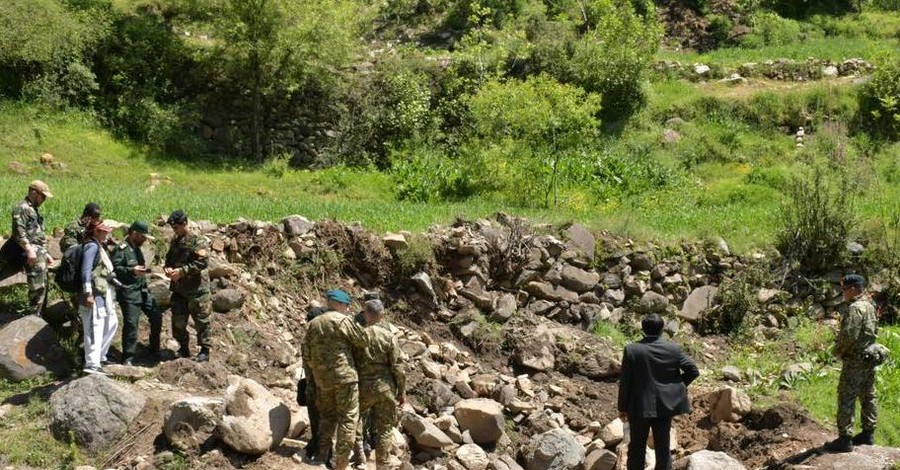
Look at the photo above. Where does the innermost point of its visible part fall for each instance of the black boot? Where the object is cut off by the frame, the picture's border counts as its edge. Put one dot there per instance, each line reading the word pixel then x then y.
pixel 204 355
pixel 841 444
pixel 864 438
pixel 184 352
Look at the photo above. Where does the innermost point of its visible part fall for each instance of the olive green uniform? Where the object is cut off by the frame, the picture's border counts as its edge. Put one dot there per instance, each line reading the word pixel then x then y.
pixel 382 382
pixel 857 381
pixel 134 297
pixel 73 234
pixel 190 294
pixel 328 350
pixel 28 229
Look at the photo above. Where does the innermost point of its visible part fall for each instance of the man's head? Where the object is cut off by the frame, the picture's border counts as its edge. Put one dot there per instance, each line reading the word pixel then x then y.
pixel 38 192
pixel 179 222
pixel 652 325
pixel 139 232
pixel 374 311
pixel 91 212
pixel 338 300
pixel 852 285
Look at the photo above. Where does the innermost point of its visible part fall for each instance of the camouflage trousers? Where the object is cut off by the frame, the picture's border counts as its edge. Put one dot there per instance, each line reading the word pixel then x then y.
pixel 338 417
pixel 198 309
pixel 36 275
pixel 857 381
pixel 381 403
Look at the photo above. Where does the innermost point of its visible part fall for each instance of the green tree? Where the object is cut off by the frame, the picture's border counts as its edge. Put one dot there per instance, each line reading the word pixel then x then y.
pixel 880 100
pixel 279 48
pixel 530 127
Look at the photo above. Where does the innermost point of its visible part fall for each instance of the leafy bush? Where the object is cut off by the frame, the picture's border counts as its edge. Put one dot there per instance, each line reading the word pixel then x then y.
pixel 425 174
pixel 529 127
pixel 719 29
pixel 736 304
pixel 816 222
pixel 879 100
pixel 769 29
pixel 635 172
pixel 418 256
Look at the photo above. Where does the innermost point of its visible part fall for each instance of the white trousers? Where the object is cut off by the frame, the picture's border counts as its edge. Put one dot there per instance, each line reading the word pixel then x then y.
pixel 100 327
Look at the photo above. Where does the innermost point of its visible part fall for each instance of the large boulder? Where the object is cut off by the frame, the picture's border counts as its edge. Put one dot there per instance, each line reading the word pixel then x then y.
pixel 536 349
pixel 255 421
pixel 424 432
pixel 728 404
pixel 191 422
pixel 581 239
pixel 556 449
pixel 482 418
pixel 28 348
pixel 226 300
pixel 578 279
pixel 95 410
pixel 698 301
pixel 710 460
pixel 652 302
pixel 159 289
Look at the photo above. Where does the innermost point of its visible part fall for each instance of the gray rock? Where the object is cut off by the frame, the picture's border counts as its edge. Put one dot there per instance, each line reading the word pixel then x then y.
pixel 472 457
pixel 610 280
pixel 255 421
pixel 641 262
pixel 862 457
pixel 697 302
pixel 29 348
pixel 505 309
pixel 701 69
pixel 830 71
pixel 546 291
pixel 423 432
pixel 600 459
pixel 765 296
pixel 732 373
pixel 296 225
pixel 614 296
pixel 578 280
pixel 728 404
pixel 613 433
pixel 423 284
pixel 855 248
pixel 710 460
pixel 192 421
pixel 482 418
pixel 220 269
pixel 651 302
pixel 95 410
pixel 226 300
pixel 439 395
pixel 539 307
pixel 556 449
pixel 581 239
pixel 538 351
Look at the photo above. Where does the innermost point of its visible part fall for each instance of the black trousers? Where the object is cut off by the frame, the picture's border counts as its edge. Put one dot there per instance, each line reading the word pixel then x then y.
pixel 637 448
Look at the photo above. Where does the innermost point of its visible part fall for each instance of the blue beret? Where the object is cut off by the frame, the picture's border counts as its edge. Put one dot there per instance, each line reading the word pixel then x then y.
pixel 338 295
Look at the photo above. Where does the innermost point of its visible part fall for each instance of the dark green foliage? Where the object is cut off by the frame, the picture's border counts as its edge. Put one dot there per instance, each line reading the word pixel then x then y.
pixel 879 100
pixel 816 222
pixel 736 304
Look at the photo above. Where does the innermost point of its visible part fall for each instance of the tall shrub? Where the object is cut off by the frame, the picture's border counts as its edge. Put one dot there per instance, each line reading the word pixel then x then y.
pixel 879 101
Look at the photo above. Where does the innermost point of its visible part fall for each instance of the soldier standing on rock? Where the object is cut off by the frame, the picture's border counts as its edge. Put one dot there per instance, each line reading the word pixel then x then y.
pixel 74 233
pixel 328 349
pixel 185 266
pixel 382 380
pixel 857 381
pixel 27 247
pixel 133 295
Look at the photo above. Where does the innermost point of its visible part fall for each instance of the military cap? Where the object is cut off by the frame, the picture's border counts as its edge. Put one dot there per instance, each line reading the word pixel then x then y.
pixel 374 306
pixel 338 295
pixel 177 217
pixel 41 187
pixel 142 228
pixel 91 209
pixel 854 280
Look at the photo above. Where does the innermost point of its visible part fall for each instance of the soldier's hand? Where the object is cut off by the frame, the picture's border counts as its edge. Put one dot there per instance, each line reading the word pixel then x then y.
pixel 139 271
pixel 30 256
pixel 175 274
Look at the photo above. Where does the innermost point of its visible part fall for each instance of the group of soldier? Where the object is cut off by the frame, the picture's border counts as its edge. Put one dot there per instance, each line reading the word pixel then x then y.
pixel 355 380
pixel 122 280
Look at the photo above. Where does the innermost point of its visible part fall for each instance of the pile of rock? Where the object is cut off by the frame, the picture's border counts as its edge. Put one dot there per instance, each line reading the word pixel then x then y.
pixel 777 69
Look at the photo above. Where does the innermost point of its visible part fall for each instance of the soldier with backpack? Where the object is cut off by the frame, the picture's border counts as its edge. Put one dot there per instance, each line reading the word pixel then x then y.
pixel 74 233
pixel 98 298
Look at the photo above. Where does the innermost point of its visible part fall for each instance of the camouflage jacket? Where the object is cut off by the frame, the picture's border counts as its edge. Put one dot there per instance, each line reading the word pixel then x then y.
pixel 328 348
pixel 858 330
pixel 73 235
pixel 125 257
pixel 190 253
pixel 380 363
pixel 28 225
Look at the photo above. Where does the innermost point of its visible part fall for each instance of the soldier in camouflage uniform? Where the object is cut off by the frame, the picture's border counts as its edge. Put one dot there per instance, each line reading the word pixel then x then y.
pixel 857 381
pixel 74 233
pixel 382 380
pixel 310 394
pixel 328 349
pixel 185 266
pixel 133 295
pixel 27 246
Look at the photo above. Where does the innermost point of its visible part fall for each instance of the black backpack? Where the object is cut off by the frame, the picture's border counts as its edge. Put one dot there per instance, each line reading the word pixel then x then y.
pixel 68 275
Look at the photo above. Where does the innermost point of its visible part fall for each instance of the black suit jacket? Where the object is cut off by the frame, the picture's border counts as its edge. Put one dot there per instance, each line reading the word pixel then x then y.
pixel 655 376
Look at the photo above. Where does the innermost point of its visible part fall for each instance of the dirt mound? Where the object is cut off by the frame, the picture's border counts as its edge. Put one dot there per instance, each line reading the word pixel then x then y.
pixel 191 375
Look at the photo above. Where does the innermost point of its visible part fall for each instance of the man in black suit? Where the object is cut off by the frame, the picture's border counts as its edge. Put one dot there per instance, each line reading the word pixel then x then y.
pixel 653 389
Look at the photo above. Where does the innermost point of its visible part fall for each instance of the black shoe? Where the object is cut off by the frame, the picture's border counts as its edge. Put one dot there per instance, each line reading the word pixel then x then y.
pixel 841 444
pixel 184 352
pixel 866 438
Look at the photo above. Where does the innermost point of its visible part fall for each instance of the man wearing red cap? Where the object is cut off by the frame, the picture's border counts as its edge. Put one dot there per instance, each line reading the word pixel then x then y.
pixel 98 299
